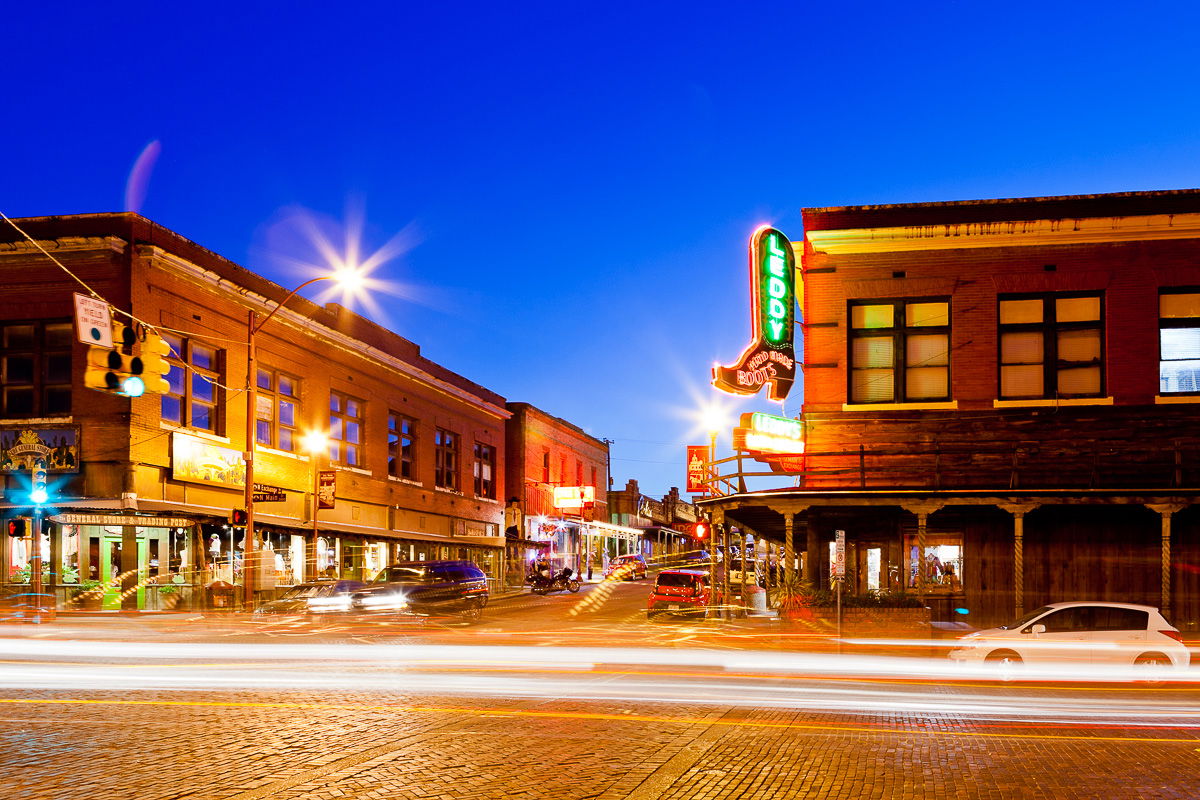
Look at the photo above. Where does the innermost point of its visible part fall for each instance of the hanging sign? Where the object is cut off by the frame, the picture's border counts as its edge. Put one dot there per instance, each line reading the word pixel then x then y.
pixel 54 449
pixel 770 358
pixel 837 567
pixel 326 488
pixel 698 458
pixel 93 321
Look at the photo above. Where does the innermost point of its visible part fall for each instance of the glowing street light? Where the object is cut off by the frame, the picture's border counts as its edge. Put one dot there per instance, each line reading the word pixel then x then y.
pixel 346 276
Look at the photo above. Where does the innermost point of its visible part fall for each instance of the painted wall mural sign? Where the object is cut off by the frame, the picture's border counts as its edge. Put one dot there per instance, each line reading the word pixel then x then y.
pixel 56 449
pixel 197 461
pixel 770 358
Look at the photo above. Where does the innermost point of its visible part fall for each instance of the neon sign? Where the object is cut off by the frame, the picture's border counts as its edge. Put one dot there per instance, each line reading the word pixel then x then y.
pixel 770 358
pixel 777 441
pixel 574 497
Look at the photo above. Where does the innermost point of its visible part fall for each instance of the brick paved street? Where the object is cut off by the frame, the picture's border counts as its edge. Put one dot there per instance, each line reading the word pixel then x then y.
pixel 338 710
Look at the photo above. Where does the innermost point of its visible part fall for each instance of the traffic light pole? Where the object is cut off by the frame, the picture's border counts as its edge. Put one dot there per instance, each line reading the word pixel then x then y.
pixel 248 558
pixel 35 563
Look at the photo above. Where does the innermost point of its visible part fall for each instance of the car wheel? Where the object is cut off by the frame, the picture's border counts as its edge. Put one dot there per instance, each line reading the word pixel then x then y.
pixel 1008 662
pixel 1152 666
pixel 473 612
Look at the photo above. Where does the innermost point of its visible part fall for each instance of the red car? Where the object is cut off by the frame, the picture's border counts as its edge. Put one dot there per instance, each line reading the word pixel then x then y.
pixel 682 592
pixel 626 568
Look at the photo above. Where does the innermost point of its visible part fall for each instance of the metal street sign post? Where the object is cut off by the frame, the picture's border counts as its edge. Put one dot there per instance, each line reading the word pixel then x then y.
pixel 838 573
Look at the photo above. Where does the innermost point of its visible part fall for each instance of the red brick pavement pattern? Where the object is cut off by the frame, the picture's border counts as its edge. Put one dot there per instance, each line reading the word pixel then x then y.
pixel 388 749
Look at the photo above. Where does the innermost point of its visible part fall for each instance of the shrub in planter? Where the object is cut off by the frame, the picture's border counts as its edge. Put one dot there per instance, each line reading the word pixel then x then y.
pixel 168 595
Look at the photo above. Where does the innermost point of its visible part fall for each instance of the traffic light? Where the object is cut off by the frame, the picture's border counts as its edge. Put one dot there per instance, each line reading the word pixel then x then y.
pixel 114 369
pixel 154 352
pixel 237 517
pixel 701 530
pixel 17 528
pixel 37 492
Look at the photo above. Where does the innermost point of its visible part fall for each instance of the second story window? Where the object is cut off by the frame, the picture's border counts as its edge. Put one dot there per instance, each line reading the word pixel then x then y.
pixel 1179 342
pixel 899 351
pixel 345 429
pixel 35 369
pixel 545 466
pixel 1051 346
pixel 445 448
pixel 402 446
pixel 276 416
pixel 485 471
pixel 193 399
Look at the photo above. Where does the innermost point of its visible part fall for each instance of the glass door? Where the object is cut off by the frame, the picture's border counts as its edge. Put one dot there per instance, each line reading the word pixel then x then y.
pixel 110 571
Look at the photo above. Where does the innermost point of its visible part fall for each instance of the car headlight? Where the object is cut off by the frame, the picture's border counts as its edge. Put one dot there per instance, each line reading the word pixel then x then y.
pixel 384 602
pixel 340 603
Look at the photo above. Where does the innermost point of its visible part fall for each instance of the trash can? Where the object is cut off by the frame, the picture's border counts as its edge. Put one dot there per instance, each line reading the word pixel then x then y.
pixel 757 597
pixel 220 594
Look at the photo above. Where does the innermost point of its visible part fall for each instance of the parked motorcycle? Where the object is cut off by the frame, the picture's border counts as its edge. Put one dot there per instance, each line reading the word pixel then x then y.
pixel 562 580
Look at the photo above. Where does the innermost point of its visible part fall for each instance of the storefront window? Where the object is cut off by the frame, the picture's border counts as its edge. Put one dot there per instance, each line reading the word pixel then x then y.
pixel 942 562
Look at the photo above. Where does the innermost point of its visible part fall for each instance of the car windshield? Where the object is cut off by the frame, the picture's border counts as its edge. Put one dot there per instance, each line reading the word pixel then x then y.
pixel 401 575
pixel 302 592
pixel 1025 620
pixel 675 579
pixel 627 559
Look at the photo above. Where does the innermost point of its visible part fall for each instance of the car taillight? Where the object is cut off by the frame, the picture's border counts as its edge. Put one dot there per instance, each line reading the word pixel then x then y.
pixel 1173 634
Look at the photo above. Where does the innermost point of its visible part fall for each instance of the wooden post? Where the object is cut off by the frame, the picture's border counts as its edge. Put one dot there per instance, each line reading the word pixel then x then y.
pixel 1165 512
pixel 1018 510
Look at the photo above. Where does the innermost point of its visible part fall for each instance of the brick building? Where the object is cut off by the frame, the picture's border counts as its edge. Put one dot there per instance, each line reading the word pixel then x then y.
pixel 1001 403
pixel 142 488
pixel 545 453
pixel 666 523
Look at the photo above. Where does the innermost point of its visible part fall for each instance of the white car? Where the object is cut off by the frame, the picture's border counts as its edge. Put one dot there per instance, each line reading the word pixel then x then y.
pixel 1117 634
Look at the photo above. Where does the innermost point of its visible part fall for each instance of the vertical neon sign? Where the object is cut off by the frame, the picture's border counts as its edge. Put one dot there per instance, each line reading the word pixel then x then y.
pixel 770 358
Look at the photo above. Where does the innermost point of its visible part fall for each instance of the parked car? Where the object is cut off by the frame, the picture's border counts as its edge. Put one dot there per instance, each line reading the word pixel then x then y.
pixel 752 576
pixel 427 588
pixel 627 567
pixel 314 597
pixel 682 592
pixel 1080 632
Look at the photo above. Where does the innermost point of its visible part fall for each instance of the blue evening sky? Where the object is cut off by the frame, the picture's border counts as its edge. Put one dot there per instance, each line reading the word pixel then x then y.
pixel 567 188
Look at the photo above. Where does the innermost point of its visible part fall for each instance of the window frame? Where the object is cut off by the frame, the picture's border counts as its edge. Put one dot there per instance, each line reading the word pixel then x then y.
pixel 948 582
pixel 40 356
pixel 1050 328
pixel 278 399
pixel 340 420
pixel 1169 323
pixel 484 487
pixel 446 458
pixel 402 455
pixel 899 332
pixel 183 357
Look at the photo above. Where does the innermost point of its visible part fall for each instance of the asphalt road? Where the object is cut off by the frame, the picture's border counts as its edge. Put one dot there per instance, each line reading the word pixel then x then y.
pixel 557 697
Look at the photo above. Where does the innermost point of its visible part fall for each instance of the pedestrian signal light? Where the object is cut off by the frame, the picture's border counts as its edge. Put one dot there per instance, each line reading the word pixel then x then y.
pixel 701 530
pixel 16 528
pixel 237 516
pixel 38 493
pixel 154 352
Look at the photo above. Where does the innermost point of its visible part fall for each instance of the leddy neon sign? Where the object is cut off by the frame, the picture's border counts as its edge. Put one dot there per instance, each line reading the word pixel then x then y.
pixel 770 358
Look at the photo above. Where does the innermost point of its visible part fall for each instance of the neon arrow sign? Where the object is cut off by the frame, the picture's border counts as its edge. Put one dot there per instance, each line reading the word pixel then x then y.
pixel 770 358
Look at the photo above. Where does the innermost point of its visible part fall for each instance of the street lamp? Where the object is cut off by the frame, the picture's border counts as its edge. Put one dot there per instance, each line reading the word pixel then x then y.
pixel 315 443
pixel 350 279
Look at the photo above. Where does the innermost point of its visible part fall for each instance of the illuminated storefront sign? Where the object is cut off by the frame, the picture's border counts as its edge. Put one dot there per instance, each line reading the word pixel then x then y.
pixel 574 497
pixel 778 441
pixel 770 358
pixel 197 461
pixel 55 449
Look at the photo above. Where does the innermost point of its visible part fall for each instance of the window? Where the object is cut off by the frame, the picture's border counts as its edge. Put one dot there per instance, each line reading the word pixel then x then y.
pixel 278 396
pixel 485 471
pixel 578 472
pixel 345 429
pixel 1179 342
pixel 1051 346
pixel 35 370
pixel 943 562
pixel 445 448
pixel 192 399
pixel 899 351
pixel 401 446
pixel 545 466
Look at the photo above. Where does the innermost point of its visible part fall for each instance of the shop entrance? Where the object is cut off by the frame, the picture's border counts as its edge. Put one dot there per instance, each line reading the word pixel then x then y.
pixel 111 574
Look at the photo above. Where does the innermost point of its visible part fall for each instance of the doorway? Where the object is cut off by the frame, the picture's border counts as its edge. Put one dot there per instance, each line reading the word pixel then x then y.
pixel 110 571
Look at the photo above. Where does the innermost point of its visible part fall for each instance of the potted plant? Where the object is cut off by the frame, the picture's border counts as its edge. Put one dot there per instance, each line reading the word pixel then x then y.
pixel 168 596
pixel 792 597
pixel 89 596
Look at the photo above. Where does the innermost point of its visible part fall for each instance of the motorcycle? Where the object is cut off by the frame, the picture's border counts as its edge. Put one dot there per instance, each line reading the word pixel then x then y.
pixel 560 581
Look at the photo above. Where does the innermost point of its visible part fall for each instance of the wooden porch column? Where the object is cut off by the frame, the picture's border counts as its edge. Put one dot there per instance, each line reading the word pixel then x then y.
pixel 789 541
pixel 1165 511
pixel 812 557
pixel 1018 510
pixel 922 512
